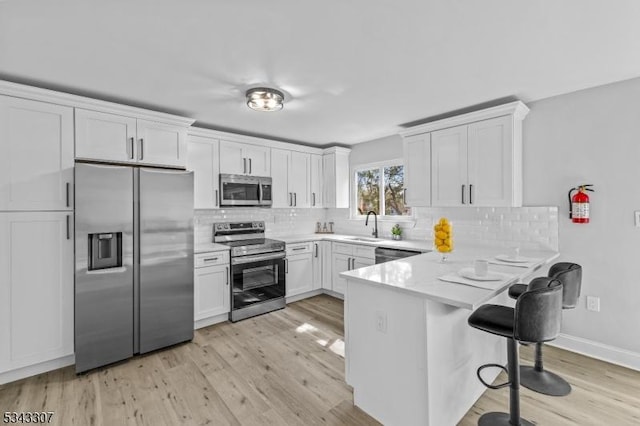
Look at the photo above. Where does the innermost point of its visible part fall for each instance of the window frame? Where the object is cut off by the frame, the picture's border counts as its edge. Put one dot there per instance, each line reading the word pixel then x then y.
pixel 354 182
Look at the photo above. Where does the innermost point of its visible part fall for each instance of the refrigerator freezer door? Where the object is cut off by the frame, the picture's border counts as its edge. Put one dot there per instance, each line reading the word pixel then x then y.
pixel 103 297
pixel 166 258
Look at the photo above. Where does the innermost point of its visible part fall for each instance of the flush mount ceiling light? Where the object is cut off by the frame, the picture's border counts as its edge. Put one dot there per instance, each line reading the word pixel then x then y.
pixel 265 99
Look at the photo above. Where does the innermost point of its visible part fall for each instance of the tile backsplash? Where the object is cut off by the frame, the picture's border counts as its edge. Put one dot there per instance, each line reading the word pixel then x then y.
pixel 530 227
pixel 278 222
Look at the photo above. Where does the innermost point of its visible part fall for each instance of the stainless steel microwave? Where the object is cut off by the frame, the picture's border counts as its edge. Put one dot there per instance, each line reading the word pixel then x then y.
pixel 240 190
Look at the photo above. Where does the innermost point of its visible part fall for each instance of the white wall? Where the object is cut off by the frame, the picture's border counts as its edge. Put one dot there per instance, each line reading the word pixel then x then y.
pixel 593 136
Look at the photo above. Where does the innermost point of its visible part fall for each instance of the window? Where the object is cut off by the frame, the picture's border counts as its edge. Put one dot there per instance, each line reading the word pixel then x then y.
pixel 386 179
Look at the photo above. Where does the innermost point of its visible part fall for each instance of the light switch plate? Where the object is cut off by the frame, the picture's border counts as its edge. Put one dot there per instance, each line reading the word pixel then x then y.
pixel 593 303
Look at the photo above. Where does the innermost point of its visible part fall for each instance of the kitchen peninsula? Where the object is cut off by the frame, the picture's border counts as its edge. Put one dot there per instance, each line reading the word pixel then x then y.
pixel 410 356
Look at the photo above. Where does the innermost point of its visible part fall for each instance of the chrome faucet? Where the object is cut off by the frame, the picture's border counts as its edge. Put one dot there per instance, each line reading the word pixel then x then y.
pixel 375 227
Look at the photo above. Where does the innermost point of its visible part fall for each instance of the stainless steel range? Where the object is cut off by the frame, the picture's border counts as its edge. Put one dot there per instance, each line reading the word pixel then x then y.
pixel 257 268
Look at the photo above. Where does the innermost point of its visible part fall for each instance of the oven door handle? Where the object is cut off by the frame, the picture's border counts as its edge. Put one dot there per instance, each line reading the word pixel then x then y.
pixel 257 258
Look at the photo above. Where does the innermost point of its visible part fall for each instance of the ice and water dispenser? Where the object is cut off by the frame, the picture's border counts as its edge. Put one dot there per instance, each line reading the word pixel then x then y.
pixel 105 250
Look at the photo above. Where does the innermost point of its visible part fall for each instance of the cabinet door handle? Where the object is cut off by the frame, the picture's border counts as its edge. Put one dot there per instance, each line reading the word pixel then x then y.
pixel 463 193
pixel 404 196
pixel 470 191
pixel 298 248
pixel 68 227
pixel 349 261
pixel 295 199
pixel 210 259
pixel 313 197
pixel 315 247
pixel 249 165
pixel 244 165
pixel 286 266
pixel 67 187
pixel 290 199
pixel 217 198
pixel 132 140
pixel 227 268
pixel 141 156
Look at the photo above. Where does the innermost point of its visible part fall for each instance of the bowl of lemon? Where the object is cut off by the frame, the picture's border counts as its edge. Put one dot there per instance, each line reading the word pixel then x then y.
pixel 443 237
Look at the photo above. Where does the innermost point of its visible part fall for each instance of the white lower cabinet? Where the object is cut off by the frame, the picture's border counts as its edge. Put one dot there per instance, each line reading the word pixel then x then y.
pixel 212 295
pixel 36 288
pixel 346 257
pixel 299 269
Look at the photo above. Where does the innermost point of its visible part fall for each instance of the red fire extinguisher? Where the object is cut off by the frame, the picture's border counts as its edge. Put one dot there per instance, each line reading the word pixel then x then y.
pixel 579 204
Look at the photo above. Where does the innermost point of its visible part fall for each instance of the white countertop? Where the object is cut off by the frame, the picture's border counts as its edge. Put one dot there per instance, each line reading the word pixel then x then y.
pixel 209 247
pixel 418 275
pixel 417 245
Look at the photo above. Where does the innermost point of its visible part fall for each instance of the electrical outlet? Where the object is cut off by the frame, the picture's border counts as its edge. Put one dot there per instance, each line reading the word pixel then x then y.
pixel 593 303
pixel 381 321
pixel 637 215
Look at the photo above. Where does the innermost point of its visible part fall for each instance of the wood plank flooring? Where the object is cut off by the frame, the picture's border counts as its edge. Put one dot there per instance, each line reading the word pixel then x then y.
pixel 287 368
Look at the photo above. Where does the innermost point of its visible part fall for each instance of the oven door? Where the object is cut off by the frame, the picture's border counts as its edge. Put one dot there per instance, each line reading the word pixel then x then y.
pixel 238 190
pixel 256 279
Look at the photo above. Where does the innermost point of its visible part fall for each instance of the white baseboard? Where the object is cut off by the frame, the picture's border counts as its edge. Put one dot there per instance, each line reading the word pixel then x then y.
pixel 32 370
pixel 206 322
pixel 599 351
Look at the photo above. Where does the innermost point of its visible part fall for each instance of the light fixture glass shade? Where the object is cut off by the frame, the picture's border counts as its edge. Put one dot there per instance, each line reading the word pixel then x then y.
pixel 265 99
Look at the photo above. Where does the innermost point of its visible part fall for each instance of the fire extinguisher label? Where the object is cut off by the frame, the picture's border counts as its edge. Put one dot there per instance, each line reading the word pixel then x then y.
pixel 580 210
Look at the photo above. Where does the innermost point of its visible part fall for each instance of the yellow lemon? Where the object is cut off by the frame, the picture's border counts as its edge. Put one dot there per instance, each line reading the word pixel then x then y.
pixel 437 228
pixel 438 242
pixel 444 220
pixel 448 242
pixel 446 227
pixel 441 235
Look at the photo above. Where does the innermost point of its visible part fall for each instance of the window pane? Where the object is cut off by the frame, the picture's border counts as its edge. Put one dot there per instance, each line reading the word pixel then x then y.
pixel 368 182
pixel 393 191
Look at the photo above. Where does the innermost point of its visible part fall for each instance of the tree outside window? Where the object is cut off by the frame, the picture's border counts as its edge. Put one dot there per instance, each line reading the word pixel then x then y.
pixel 387 180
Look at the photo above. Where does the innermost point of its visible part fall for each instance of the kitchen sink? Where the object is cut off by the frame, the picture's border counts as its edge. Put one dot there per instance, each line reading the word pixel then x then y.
pixel 366 240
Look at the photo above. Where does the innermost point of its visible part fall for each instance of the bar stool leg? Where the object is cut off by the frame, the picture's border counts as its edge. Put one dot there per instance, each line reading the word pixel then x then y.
pixel 513 417
pixel 539 380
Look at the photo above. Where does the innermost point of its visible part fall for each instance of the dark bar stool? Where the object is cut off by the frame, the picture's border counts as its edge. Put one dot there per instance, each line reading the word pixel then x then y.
pixel 536 318
pixel 537 378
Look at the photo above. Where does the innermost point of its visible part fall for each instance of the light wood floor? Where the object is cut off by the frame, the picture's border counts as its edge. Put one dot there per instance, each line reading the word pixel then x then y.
pixel 287 368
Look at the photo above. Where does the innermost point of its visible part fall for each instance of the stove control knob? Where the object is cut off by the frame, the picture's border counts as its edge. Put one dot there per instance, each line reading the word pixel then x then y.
pixel 261 225
pixel 254 225
pixel 226 226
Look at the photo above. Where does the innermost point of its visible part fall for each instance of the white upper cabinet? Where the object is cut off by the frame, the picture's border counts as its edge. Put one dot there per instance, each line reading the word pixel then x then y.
pixel 245 159
pixel 449 167
pixel 417 170
pixel 290 174
pixel 161 144
pixel 476 158
pixel 336 177
pixel 203 160
pixel 36 155
pixel 315 191
pixel 493 168
pixel 105 136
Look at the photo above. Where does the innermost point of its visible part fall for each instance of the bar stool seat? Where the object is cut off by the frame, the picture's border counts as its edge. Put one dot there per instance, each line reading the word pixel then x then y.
pixel 537 378
pixel 536 318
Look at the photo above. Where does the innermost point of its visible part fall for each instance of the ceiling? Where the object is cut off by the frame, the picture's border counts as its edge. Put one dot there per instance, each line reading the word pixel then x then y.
pixel 351 71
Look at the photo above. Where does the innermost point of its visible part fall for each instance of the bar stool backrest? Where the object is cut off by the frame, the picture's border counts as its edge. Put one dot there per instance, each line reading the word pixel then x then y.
pixel 570 275
pixel 538 312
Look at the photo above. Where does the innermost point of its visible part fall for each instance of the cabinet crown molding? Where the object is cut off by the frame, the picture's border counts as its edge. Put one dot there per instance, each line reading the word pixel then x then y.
pixel 60 98
pixel 517 109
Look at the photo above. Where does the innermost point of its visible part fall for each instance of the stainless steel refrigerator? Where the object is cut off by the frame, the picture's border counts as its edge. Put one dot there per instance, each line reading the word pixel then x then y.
pixel 134 261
